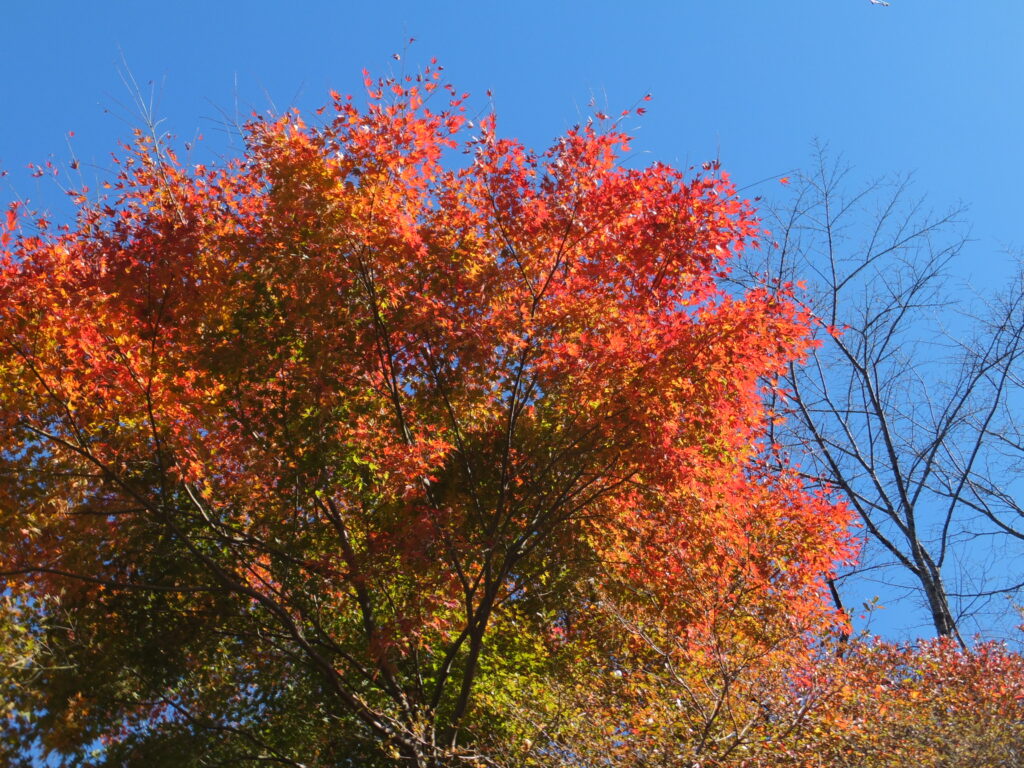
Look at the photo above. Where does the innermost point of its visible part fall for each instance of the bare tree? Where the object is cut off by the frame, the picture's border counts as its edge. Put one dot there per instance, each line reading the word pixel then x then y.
pixel 906 407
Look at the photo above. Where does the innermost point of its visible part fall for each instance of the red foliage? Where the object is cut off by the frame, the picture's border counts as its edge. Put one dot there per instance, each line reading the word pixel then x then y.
pixel 392 407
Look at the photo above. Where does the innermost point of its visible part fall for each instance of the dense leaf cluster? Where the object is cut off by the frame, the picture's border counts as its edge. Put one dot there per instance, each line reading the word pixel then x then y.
pixel 347 453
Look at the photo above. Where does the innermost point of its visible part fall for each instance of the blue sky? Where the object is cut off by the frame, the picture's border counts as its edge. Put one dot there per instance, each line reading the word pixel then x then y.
pixel 931 87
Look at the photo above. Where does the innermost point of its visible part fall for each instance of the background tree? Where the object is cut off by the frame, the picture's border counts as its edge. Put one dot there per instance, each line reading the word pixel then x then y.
pixel 907 407
pixel 931 703
pixel 340 455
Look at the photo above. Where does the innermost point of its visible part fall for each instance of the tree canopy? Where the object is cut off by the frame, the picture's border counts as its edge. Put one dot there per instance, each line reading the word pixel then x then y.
pixel 395 442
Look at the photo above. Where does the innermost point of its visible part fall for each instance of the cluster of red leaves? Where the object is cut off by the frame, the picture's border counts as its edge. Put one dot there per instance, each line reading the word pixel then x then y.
pixel 391 403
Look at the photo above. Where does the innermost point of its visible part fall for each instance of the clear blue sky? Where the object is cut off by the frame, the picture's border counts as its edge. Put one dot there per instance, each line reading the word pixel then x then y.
pixel 933 86
pixel 929 86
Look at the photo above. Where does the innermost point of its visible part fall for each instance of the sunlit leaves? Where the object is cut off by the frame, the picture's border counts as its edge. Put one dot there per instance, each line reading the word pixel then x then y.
pixel 360 445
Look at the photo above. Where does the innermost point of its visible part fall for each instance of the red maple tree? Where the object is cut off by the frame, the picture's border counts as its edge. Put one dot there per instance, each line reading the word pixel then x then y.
pixel 341 450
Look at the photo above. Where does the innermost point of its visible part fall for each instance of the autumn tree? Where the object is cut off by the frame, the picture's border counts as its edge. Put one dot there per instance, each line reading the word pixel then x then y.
pixel 345 452
pixel 931 703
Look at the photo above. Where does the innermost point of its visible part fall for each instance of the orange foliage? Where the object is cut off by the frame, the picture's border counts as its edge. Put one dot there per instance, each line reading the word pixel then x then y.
pixel 378 420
